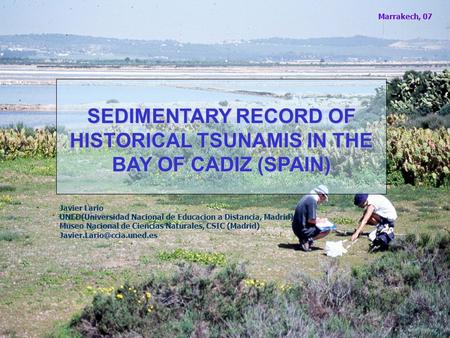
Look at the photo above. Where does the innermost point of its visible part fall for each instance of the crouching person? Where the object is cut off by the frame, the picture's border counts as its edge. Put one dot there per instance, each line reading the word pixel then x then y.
pixel 379 212
pixel 305 218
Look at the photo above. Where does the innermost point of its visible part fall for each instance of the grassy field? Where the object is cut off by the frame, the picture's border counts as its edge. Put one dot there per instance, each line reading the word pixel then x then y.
pixel 45 280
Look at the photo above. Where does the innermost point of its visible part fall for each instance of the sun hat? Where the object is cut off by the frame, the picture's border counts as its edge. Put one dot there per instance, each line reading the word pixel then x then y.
pixel 360 199
pixel 322 189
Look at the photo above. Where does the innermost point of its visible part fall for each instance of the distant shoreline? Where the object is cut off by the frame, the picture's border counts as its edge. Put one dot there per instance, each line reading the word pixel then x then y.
pixel 21 75
pixel 8 108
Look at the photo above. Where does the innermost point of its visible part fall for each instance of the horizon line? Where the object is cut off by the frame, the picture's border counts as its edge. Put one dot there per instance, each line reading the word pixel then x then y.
pixel 223 41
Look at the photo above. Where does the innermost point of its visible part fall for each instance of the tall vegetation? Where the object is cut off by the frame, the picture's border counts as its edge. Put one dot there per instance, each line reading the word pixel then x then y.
pixel 418 156
pixel 424 97
pixel 403 293
pixel 416 103
pixel 25 142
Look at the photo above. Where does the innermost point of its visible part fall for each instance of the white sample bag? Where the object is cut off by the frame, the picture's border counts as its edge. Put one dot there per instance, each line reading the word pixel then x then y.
pixel 334 249
pixel 373 235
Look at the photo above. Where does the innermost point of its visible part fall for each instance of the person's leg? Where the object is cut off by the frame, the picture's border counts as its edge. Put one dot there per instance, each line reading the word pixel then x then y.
pixel 322 234
pixel 316 233
pixel 384 233
pixel 306 236
pixel 297 231
pixel 374 219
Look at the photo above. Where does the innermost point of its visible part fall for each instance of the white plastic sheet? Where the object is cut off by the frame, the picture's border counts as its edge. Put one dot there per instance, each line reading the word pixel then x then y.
pixel 335 249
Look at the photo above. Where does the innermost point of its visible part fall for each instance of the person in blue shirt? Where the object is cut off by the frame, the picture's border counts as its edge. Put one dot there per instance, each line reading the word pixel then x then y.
pixel 305 217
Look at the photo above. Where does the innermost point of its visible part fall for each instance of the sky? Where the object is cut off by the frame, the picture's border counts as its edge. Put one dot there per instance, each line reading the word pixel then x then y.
pixel 202 21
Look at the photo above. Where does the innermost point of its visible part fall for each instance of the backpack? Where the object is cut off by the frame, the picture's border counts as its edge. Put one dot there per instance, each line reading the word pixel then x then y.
pixel 383 236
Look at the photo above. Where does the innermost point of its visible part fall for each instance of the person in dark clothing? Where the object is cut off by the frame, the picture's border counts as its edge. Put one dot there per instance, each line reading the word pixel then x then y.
pixel 305 218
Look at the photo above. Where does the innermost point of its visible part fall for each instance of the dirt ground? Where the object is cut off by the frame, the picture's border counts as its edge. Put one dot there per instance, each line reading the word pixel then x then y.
pixel 44 279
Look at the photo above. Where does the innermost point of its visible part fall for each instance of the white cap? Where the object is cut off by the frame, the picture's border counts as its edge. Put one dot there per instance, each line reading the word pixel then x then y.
pixel 322 189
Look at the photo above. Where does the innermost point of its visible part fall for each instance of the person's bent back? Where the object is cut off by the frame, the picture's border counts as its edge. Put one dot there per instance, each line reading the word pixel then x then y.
pixel 305 217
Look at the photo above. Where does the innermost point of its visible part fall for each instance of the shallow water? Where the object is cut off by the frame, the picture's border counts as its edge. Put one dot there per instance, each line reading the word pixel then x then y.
pixel 163 91
pixel 29 94
pixel 29 119
pixel 146 90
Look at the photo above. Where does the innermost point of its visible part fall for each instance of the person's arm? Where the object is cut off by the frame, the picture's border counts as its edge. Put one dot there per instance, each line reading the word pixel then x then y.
pixel 312 213
pixel 363 222
pixel 317 220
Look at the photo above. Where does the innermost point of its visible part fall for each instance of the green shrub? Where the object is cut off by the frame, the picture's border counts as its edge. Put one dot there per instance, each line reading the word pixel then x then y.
pixel 64 331
pixel 445 110
pixel 402 293
pixel 117 311
pixel 7 188
pixel 16 143
pixel 223 103
pixel 422 156
pixel 343 220
pixel 431 121
pixel 9 236
pixel 418 93
pixel 20 127
pixel 193 256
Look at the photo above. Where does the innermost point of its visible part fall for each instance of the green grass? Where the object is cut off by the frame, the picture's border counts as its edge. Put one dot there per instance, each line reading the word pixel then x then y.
pixel 144 259
pixel 28 166
pixel 42 274
pixel 64 331
pixel 9 236
pixel 406 285
pixel 343 220
pixel 101 245
pixel 8 200
pixel 193 256
pixel 429 196
pixel 219 206
pixel 232 202
pixel 6 188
